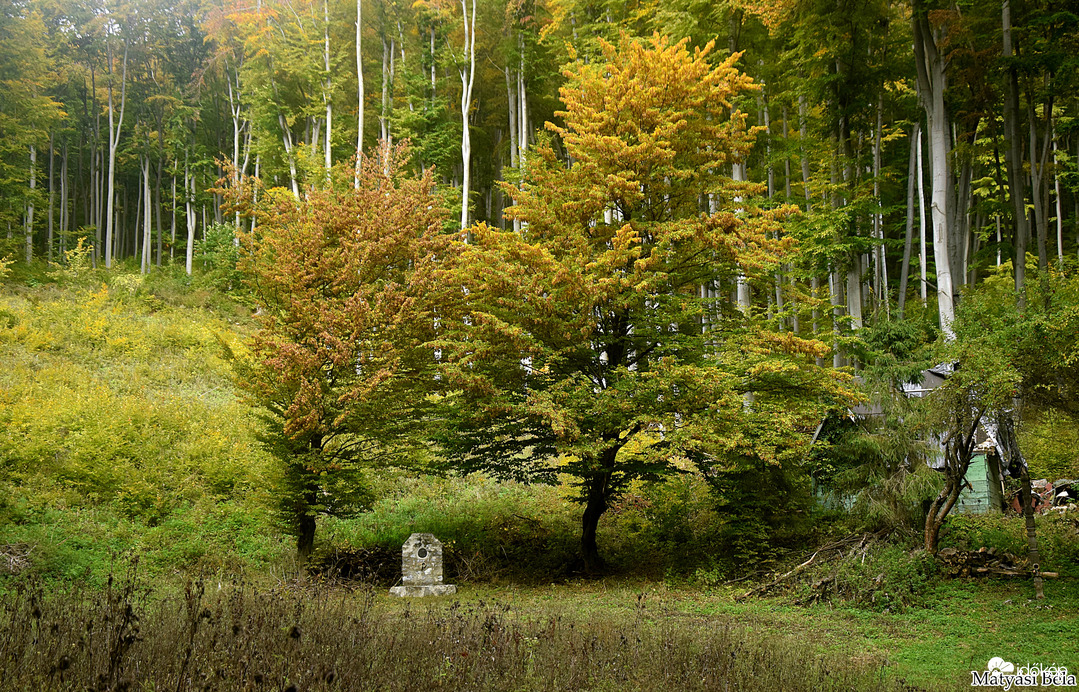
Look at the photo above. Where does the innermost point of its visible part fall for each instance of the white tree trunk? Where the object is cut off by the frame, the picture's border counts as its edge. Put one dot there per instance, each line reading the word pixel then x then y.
pixel 359 89
pixel 286 139
pixel 115 125
pixel 146 226
pixel 743 295
pixel 1060 210
pixel 327 87
pixel 189 195
pixel 29 223
pixel 932 82
pixel 467 79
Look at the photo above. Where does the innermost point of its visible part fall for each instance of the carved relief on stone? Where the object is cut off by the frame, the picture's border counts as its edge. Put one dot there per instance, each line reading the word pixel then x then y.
pixel 421 568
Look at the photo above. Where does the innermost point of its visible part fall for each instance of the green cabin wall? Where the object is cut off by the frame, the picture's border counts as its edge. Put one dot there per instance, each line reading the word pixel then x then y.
pixel 983 492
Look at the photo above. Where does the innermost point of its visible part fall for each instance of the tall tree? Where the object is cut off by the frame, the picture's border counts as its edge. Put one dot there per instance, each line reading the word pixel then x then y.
pixel 337 363
pixel 116 123
pixel 931 62
pixel 578 345
pixel 467 70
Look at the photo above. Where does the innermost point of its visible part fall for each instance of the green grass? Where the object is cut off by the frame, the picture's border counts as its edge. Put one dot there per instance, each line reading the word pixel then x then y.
pixel 931 647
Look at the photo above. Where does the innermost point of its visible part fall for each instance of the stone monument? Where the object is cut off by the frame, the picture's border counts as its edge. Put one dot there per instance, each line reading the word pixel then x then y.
pixel 421 568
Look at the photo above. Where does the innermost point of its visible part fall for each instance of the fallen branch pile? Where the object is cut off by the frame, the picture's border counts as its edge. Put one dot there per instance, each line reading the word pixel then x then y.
pixel 14 558
pixel 827 553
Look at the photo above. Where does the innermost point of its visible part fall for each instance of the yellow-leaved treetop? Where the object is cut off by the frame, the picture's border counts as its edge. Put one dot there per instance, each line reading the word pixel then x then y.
pixel 592 343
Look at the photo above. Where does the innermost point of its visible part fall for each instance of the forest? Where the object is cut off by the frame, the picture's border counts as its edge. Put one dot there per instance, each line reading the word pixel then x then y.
pixel 694 330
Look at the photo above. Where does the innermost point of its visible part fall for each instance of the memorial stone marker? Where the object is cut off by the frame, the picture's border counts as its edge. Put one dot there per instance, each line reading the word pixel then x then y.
pixel 421 568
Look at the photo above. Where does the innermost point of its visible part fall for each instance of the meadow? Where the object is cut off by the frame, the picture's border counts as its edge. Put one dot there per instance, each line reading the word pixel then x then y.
pixel 141 549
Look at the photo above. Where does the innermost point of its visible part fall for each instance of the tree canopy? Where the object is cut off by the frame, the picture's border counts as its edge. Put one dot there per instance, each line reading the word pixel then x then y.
pixel 591 343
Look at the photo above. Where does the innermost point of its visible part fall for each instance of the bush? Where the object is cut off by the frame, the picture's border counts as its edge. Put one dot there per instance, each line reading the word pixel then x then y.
pixel 489 529
pixel 1058 537
pixel 1050 442
pixel 218 253
pixel 118 424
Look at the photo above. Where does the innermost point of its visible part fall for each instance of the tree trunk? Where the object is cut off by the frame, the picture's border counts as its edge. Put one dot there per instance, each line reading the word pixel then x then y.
pixel 327 88
pixel 147 236
pixel 1014 158
pixel 743 294
pixel 1032 535
pixel 1017 462
pixel 1060 208
pixel 597 497
pixel 29 223
pixel 52 196
pixel 359 90
pixel 115 125
pixel 1039 191
pixel 189 194
pixel 65 213
pixel 514 121
pixel 854 292
pixel 835 289
pixel 157 191
pixel 880 260
pixel 938 511
pixel 511 100
pixel 387 79
pixel 923 265
pixel 904 273
pixel 305 527
pixel 932 83
pixel 803 154
pixel 467 81
pixel 172 223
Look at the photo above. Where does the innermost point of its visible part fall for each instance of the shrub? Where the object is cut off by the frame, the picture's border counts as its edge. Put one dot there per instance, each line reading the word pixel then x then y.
pixel 1058 537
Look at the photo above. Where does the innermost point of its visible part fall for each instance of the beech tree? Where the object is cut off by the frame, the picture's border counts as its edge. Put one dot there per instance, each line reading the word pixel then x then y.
pixel 582 345
pixel 338 278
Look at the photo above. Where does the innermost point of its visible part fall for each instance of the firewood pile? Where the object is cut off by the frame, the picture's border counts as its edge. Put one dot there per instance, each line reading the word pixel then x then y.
pixel 984 562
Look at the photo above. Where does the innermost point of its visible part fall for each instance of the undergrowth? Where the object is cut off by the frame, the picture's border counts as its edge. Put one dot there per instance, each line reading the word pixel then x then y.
pixel 237 637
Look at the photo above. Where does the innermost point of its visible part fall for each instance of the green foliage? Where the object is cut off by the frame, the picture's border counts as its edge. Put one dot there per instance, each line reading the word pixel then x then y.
pixel 1033 344
pixel 338 366
pixel 117 419
pixel 1050 443
pixel 583 345
pixel 897 351
pixel 219 254
pixel 888 577
pixel 490 530
pixel 767 512
pixel 1058 537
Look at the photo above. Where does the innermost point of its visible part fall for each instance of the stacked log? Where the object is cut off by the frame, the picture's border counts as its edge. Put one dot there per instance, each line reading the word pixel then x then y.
pixel 985 562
